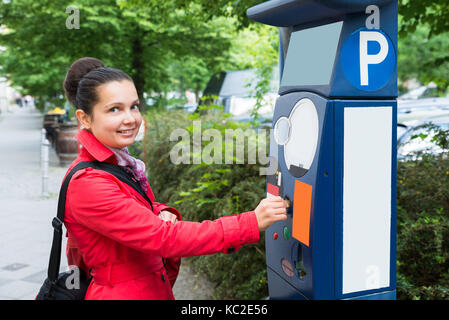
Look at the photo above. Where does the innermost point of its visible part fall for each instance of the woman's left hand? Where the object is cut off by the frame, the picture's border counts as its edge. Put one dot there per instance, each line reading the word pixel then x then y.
pixel 167 216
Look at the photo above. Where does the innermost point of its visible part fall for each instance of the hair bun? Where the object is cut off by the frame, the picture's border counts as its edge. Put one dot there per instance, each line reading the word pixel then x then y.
pixel 76 72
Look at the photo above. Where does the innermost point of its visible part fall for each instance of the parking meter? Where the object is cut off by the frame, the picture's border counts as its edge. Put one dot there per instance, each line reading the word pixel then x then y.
pixel 333 150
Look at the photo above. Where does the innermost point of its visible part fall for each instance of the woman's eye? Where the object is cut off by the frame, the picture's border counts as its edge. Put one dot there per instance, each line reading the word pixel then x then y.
pixel 135 107
pixel 114 109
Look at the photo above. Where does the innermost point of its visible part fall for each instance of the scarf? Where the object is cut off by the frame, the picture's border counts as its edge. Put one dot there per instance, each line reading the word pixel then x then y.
pixel 132 165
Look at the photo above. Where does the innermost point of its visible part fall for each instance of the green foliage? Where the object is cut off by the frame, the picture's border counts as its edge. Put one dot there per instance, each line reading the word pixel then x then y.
pixel 440 137
pixel 433 13
pixel 424 58
pixel 423 43
pixel 209 9
pixel 39 47
pixel 264 49
pixel 423 224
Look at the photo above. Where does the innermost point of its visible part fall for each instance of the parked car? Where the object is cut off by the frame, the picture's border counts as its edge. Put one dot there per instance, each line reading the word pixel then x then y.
pixel 186 107
pixel 427 91
pixel 241 107
pixel 412 112
pixel 417 138
pixel 401 130
pixel 417 110
pixel 235 89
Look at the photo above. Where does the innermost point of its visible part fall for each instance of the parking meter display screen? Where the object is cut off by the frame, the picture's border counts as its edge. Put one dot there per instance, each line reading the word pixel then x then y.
pixel 311 56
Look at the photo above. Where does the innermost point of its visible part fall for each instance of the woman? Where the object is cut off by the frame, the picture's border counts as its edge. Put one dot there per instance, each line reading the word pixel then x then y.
pixel 131 248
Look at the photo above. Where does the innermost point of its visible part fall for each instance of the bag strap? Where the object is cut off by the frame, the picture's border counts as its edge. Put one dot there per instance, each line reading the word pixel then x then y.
pixel 119 173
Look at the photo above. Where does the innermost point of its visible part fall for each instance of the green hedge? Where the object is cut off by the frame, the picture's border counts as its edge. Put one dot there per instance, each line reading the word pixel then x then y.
pixel 206 192
pixel 423 228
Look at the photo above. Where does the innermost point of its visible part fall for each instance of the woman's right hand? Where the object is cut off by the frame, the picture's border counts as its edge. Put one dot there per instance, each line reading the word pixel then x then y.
pixel 167 216
pixel 269 211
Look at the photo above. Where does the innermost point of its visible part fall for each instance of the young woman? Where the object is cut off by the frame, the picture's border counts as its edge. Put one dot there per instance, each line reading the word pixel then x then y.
pixel 133 250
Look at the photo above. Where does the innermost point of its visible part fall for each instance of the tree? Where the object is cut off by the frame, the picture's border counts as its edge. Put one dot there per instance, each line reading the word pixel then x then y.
pixel 143 42
pixel 424 58
pixel 209 9
pixel 433 13
pixel 423 44
pixel 241 53
pixel 39 48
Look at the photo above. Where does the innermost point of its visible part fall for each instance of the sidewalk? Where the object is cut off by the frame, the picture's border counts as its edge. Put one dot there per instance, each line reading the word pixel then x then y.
pixel 25 217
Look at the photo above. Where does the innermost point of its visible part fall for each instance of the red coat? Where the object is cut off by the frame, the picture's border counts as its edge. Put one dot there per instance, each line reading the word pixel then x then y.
pixel 134 254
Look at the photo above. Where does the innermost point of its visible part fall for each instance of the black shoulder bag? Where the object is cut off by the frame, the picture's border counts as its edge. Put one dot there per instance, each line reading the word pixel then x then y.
pixel 59 286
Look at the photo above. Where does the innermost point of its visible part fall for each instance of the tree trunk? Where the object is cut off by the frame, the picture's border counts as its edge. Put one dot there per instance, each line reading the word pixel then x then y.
pixel 138 65
pixel 197 93
pixel 181 87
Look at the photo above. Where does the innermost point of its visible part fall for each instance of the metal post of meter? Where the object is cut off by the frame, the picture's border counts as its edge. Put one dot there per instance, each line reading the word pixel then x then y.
pixel 45 148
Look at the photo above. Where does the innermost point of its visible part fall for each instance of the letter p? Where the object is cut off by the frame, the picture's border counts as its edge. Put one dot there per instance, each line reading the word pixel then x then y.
pixel 367 59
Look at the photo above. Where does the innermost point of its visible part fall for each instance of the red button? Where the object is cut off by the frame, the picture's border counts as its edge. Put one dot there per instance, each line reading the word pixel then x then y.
pixel 275 236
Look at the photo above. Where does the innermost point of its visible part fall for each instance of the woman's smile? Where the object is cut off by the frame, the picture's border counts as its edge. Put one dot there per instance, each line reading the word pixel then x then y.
pixel 127 133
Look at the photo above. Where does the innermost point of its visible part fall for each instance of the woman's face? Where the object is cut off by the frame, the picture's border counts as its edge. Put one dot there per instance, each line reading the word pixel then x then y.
pixel 115 119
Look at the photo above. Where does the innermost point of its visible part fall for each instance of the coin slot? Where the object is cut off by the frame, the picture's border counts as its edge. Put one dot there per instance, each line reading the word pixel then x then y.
pixel 299 264
pixel 289 203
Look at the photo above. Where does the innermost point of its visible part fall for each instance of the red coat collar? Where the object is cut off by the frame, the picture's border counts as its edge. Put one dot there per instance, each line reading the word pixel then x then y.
pixel 94 148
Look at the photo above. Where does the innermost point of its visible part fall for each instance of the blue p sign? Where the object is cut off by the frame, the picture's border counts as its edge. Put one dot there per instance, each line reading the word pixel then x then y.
pixel 368 59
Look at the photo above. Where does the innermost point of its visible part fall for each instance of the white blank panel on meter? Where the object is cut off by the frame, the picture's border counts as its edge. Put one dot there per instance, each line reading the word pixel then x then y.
pixel 367 198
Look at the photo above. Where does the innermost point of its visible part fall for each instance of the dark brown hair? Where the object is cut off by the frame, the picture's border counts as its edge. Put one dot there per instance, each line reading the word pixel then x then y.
pixel 83 78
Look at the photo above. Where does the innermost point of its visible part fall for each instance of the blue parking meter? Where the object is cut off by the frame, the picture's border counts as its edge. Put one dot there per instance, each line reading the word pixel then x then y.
pixel 333 149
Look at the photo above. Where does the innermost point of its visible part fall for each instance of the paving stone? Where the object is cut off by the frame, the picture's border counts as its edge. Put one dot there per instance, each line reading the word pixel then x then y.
pixel 37 277
pixel 21 273
pixel 15 266
pixel 17 289
pixel 4 281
